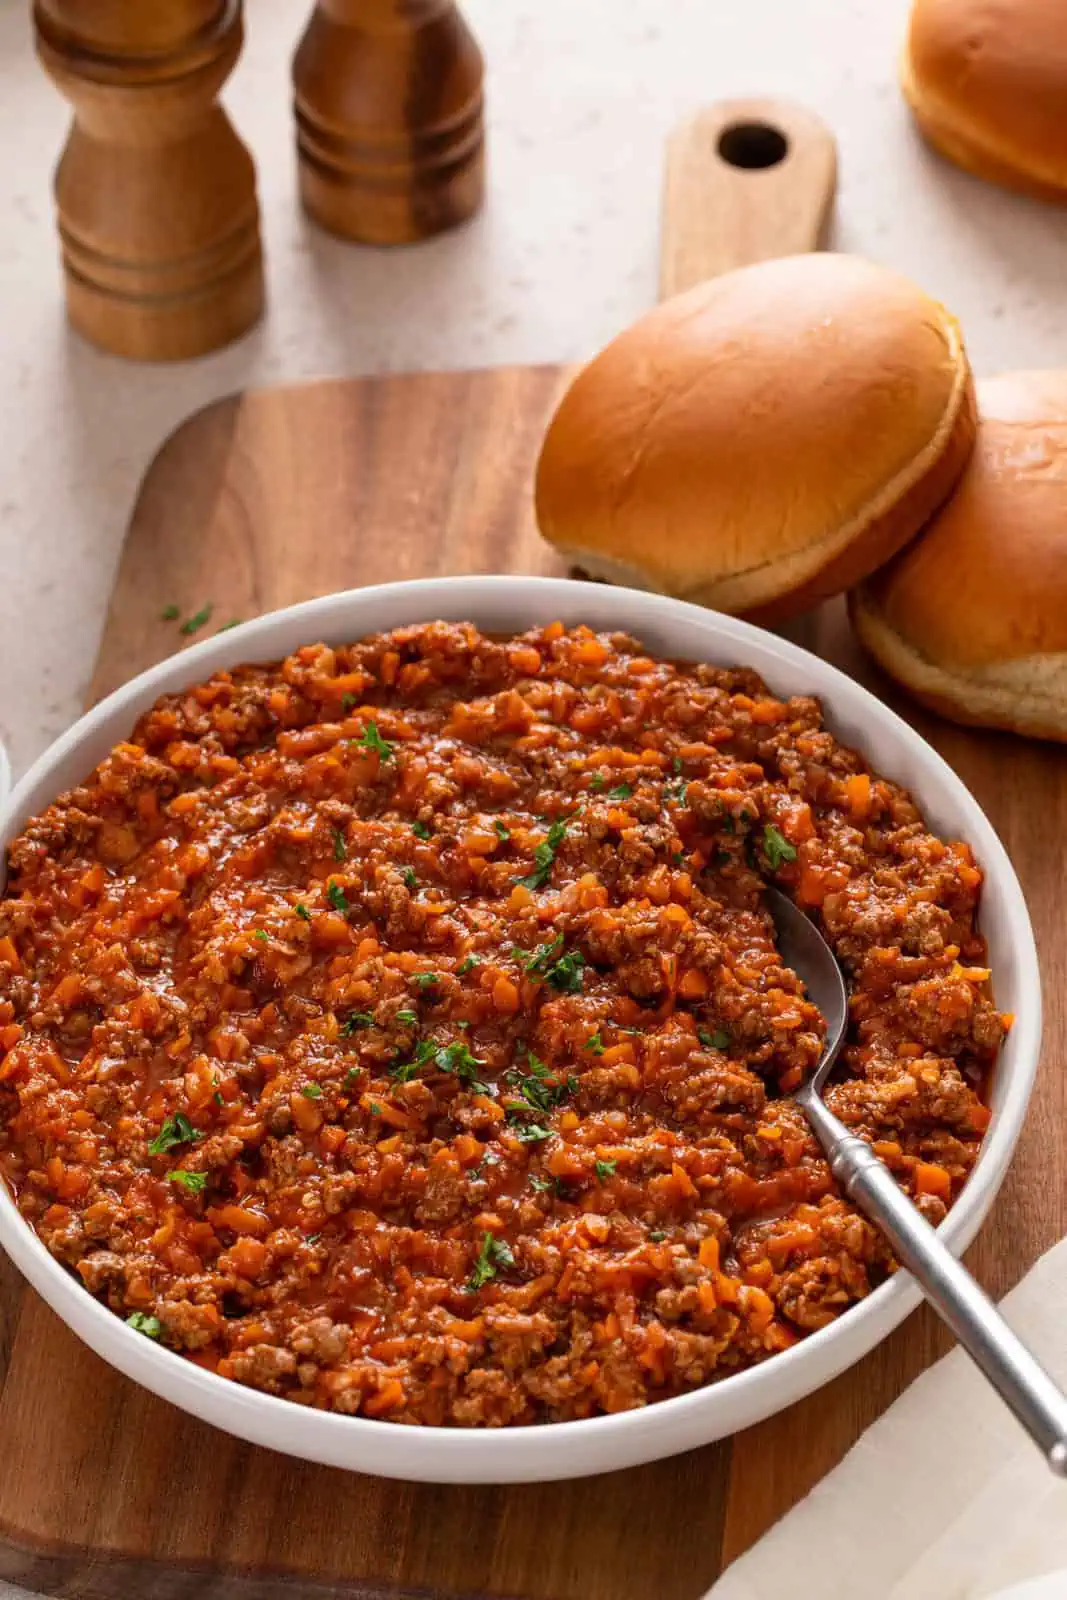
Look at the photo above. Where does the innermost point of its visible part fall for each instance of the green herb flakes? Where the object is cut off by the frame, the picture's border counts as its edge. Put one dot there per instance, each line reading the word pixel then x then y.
pixel 604 1169
pixel 544 856
pixel 196 621
pixel 176 1130
pixel 140 1322
pixel 409 878
pixel 595 1044
pixel 336 896
pixel 356 1019
pixel 371 739
pixel 340 849
pixel 468 964
pixel 719 1040
pixel 312 1091
pixel 421 831
pixel 425 980
pixel 621 791
pixel 195 1182
pixel 302 911
pixel 493 1254
pixel 348 700
pixel 502 832
pixel 169 613
pixel 776 847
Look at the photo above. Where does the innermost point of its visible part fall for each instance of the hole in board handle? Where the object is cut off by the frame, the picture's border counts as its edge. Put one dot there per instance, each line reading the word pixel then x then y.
pixel 753 145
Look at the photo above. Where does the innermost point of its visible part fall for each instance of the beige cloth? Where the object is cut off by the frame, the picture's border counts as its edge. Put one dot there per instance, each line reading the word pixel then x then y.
pixel 943 1498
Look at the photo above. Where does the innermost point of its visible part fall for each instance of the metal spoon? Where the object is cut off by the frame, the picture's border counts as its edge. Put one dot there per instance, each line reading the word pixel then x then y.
pixel 1015 1374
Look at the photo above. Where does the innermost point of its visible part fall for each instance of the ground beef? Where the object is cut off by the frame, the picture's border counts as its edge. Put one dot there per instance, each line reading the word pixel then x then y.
pixel 400 1029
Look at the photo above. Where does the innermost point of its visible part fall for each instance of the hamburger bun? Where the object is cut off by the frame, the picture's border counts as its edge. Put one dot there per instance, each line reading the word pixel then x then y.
pixel 762 441
pixel 987 84
pixel 972 617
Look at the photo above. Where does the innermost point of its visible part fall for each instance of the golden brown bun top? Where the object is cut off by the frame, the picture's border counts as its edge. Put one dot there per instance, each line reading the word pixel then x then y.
pixel 996 70
pixel 987 581
pixel 756 417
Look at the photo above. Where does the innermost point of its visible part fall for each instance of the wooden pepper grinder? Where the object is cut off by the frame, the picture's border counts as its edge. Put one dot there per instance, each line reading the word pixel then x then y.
pixel 388 100
pixel 156 195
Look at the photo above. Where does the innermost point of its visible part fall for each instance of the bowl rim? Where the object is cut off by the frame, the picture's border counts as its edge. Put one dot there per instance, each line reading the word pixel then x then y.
pixel 566 1449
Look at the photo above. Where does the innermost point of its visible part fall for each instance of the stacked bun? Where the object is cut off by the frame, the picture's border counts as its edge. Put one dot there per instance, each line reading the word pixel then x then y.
pixel 987 82
pixel 972 617
pixel 763 441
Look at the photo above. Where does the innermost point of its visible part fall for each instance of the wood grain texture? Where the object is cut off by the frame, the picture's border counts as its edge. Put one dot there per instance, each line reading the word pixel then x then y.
pixel 105 1491
pixel 155 193
pixel 388 105
pixel 746 180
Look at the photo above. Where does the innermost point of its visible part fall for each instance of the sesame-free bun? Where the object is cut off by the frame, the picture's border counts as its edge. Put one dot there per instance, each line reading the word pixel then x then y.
pixel 987 82
pixel 762 441
pixel 972 617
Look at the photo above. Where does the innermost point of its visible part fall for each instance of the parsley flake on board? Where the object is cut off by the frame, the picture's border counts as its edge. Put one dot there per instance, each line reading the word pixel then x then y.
pixel 776 847
pixel 141 1322
pixel 493 1254
pixel 340 850
pixel 371 739
pixel 195 1182
pixel 604 1169
pixel 176 1130
pixel 196 621
pixel 336 896
pixel 234 622
pixel 421 831
pixel 544 856
pixel 169 613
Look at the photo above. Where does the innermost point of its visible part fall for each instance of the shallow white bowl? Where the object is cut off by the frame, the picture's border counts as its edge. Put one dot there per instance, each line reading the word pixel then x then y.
pixel 568 1449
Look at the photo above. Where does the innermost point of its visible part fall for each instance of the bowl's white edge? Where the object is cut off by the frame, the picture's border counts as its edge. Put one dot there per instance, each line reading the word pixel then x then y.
pixel 567 1449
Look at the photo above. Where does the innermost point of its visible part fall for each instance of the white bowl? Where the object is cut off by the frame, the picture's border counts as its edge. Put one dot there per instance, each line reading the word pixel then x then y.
pixel 566 1449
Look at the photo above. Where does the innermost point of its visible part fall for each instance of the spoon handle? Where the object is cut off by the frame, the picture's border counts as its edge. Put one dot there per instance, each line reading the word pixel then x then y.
pixel 1015 1374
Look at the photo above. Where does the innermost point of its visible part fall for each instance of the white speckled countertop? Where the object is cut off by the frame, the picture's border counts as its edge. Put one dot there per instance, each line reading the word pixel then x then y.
pixel 582 94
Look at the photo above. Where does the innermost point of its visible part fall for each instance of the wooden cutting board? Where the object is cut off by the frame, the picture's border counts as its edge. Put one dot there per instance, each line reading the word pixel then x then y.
pixel 273 497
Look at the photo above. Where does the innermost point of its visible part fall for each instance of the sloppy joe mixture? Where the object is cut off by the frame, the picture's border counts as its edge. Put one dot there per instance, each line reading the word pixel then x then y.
pixel 399 1028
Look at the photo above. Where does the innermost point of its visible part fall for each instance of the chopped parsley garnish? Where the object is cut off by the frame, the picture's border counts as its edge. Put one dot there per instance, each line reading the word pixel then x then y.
pixel 312 1091
pixel 539 960
pixel 493 1254
pixel 595 1044
pixel 141 1322
pixel 502 832
pixel 408 875
pixel 169 613
pixel 340 850
pixel 408 1016
pixel 348 700
pixel 533 1133
pixel 544 856
pixel 676 791
pixel 195 1182
pixel 218 1098
pixel 197 620
pixel 457 1059
pixel 313 1238
pixel 540 1089
pixel 568 973
pixel 677 857
pixel 676 764
pixel 541 1184
pixel 714 1041
pixel 421 831
pixel 302 911
pixel 776 847
pixel 604 1169
pixel 262 935
pixel 468 964
pixel 371 739
pixel 336 896
pixel 374 1108
pixel 657 1236
pixel 350 1077
pixel 404 1071
pixel 425 979
pixel 596 781
pixel 356 1019
pixel 621 791
pixel 176 1130
pixel 234 622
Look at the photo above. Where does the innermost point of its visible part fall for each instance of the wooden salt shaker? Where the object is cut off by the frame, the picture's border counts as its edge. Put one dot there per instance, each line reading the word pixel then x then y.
pixel 388 101
pixel 155 193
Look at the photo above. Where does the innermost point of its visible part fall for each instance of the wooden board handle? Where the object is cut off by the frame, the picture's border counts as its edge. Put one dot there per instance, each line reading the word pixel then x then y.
pixel 746 180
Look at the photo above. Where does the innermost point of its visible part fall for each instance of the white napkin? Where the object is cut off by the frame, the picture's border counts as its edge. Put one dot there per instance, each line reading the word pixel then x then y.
pixel 943 1498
